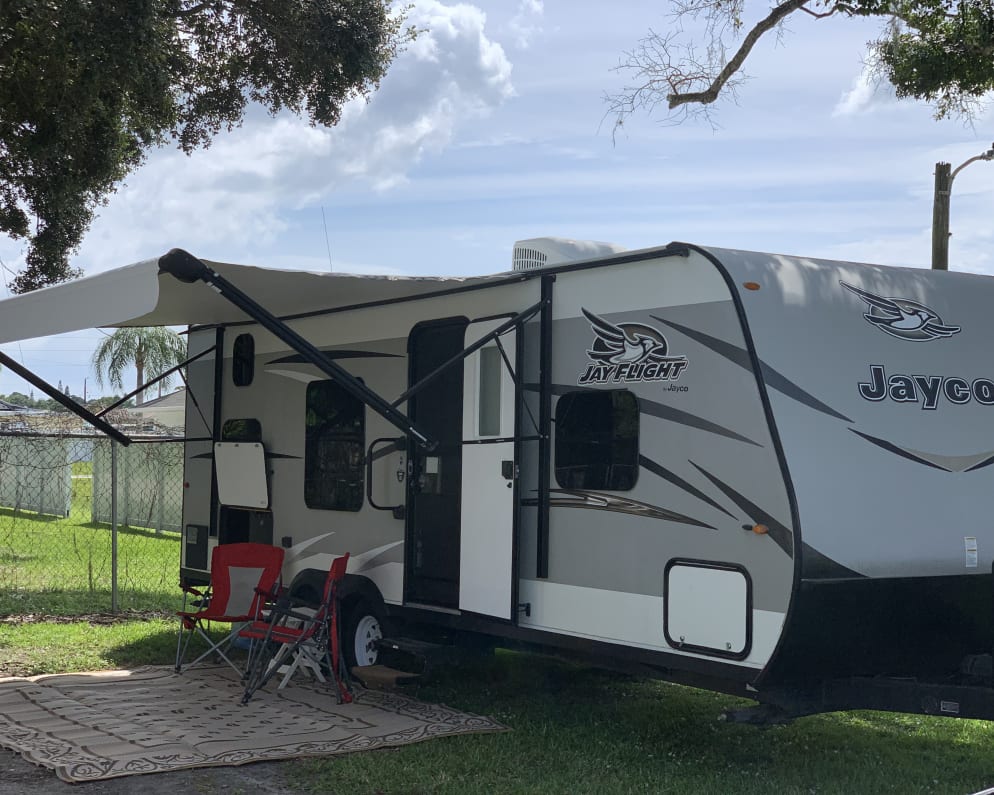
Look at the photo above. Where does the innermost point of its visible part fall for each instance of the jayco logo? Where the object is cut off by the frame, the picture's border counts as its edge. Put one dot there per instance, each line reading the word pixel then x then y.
pixel 925 389
pixel 628 352
pixel 902 318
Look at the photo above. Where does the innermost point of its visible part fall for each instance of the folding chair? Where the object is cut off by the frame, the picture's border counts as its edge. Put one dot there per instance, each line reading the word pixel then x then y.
pixel 299 638
pixel 243 580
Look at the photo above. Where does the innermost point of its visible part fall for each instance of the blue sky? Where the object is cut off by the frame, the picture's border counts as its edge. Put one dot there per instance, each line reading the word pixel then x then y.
pixel 491 128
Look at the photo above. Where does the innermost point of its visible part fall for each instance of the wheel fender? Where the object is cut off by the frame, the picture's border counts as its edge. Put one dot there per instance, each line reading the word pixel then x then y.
pixel 308 585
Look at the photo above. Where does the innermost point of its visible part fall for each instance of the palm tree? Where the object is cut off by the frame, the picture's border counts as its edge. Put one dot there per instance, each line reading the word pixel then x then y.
pixel 146 349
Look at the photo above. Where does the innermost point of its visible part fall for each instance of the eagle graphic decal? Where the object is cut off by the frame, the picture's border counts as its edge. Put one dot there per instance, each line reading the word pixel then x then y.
pixel 902 318
pixel 626 352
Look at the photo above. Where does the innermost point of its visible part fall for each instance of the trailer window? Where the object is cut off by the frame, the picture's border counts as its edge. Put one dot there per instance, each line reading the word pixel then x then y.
pixel 333 452
pixel 490 385
pixel 597 440
pixel 242 430
pixel 243 360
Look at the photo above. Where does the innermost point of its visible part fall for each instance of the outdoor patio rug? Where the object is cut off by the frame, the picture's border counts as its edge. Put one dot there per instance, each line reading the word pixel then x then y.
pixel 91 726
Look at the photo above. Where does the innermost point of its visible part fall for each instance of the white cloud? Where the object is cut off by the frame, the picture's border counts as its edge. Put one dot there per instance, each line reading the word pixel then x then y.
pixel 868 92
pixel 237 192
pixel 525 24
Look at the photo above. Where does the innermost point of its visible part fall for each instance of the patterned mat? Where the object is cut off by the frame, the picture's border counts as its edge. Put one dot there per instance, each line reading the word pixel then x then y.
pixel 91 726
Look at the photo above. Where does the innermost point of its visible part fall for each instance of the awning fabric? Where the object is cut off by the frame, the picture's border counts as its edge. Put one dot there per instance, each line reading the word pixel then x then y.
pixel 138 295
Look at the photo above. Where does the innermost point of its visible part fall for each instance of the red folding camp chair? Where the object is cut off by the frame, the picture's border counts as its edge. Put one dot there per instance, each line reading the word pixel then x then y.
pixel 243 580
pixel 296 637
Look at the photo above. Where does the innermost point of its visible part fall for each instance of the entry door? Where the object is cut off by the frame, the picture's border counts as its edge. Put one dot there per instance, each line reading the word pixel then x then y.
pixel 489 471
pixel 434 485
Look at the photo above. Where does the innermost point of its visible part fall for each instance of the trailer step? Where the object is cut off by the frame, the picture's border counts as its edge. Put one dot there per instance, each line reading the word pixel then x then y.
pixel 381 677
pixel 421 655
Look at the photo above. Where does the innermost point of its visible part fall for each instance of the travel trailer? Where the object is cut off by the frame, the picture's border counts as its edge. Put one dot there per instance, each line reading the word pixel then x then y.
pixel 767 475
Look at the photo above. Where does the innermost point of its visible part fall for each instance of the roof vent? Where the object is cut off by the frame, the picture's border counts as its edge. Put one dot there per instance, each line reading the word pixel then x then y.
pixel 540 252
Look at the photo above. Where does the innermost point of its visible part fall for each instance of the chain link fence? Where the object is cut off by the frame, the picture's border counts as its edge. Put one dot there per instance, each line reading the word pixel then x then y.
pixel 61 553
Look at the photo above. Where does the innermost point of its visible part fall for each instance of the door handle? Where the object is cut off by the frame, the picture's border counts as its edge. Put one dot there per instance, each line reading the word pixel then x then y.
pixel 508 470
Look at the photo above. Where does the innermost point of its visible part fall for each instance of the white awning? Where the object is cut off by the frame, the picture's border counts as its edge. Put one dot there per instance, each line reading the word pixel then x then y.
pixel 138 295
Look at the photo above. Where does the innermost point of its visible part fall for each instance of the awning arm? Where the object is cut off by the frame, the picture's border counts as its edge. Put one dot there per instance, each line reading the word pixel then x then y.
pixel 76 408
pixel 187 268
pixel 513 322
pixel 154 381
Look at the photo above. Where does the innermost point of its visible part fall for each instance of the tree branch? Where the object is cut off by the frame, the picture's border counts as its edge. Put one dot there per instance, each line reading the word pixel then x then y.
pixel 711 93
pixel 194 10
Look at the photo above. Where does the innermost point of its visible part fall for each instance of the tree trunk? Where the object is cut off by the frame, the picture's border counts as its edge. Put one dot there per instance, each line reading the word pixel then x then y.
pixel 140 369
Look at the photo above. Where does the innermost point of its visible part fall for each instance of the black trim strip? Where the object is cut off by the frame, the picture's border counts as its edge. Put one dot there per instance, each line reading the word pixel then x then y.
pixel 780 534
pixel 771 422
pixel 213 527
pixel 661 252
pixel 893 448
pixel 740 357
pixel 664 664
pixel 544 426
pixel 676 480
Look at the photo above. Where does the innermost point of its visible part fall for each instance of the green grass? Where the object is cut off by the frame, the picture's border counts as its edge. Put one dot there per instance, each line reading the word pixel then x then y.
pixel 580 730
pixel 62 565
pixel 576 729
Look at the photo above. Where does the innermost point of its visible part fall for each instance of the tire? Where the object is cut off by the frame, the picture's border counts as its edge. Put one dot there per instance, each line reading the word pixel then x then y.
pixel 363 627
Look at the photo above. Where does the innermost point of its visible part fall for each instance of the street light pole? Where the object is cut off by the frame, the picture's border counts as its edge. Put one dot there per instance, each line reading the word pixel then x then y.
pixel 944 176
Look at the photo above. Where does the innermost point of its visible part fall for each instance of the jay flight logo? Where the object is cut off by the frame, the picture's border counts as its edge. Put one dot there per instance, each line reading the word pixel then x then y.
pixel 902 318
pixel 628 352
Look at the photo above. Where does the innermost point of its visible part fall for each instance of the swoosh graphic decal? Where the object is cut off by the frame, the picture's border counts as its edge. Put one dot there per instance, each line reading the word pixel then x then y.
pixel 893 448
pixel 815 566
pixel 740 356
pixel 609 502
pixel 298 359
pixel 781 535
pixel 676 480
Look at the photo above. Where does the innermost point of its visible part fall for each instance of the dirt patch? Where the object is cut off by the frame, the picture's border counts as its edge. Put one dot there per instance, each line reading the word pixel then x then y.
pixel 18 777
pixel 88 618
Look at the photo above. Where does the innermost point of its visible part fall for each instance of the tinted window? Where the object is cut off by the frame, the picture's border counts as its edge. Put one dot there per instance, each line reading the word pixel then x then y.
pixel 244 430
pixel 333 452
pixel 243 360
pixel 490 372
pixel 597 444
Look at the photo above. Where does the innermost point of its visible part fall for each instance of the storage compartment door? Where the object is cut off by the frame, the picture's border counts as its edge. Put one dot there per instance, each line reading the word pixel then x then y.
pixel 708 608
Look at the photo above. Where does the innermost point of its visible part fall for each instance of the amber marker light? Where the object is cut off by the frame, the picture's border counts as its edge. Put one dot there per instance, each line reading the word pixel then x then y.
pixel 760 529
pixel 751 285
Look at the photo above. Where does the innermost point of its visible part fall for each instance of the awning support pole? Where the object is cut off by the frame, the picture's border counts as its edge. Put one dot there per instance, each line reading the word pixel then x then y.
pixel 79 410
pixel 153 382
pixel 187 268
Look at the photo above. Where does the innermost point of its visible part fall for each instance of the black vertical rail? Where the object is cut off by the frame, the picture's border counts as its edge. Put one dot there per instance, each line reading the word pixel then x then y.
pixel 216 429
pixel 544 425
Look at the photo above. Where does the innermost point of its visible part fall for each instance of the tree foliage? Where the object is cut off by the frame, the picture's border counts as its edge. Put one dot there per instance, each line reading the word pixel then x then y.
pixel 87 87
pixel 940 51
pixel 151 351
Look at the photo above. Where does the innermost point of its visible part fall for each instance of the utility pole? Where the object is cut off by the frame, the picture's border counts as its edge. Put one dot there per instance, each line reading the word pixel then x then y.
pixel 944 176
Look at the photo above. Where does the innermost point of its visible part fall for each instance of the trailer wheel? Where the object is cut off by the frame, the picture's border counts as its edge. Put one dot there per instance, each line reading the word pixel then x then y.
pixel 363 627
